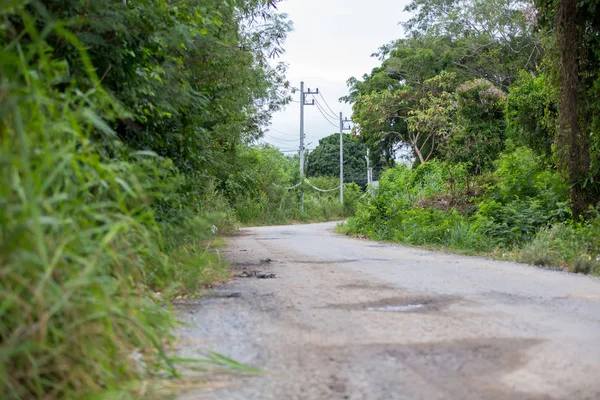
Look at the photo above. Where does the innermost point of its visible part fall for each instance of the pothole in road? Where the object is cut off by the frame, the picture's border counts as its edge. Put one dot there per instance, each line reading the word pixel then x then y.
pixel 367 286
pixel 253 263
pixel 341 261
pixel 255 274
pixel 406 304
pixel 466 369
pixel 408 307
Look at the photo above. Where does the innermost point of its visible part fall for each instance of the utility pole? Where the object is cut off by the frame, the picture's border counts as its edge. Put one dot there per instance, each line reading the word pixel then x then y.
pixel 303 103
pixel 341 160
pixel 369 169
pixel 342 128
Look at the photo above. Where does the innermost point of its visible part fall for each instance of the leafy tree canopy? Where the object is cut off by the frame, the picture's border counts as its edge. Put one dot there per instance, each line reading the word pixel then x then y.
pixel 192 75
pixel 324 160
pixel 483 39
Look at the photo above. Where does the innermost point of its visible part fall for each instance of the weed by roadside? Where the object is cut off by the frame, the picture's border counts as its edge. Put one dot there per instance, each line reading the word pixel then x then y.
pixel 519 212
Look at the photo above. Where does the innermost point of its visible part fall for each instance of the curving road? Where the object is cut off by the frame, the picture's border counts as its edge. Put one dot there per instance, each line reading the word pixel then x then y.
pixel 352 319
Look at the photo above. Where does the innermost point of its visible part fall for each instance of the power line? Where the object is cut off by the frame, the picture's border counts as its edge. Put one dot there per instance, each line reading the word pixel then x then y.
pixel 283 133
pixel 324 116
pixel 293 151
pixel 329 117
pixel 279 139
pixel 325 111
pixel 325 101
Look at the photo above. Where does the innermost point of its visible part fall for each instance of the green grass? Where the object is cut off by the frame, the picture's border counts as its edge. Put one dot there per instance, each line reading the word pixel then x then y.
pixel 510 213
pixel 571 246
pixel 318 206
pixel 343 229
pixel 86 271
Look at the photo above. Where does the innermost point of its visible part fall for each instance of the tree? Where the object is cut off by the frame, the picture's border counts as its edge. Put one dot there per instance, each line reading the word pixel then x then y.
pixel 475 39
pixel 430 125
pixel 574 62
pixel 380 119
pixel 193 75
pixel 478 133
pixel 324 160
pixel 531 107
pixel 490 39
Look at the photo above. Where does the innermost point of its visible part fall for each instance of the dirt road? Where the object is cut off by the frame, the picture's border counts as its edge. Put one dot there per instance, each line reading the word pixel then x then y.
pixel 352 319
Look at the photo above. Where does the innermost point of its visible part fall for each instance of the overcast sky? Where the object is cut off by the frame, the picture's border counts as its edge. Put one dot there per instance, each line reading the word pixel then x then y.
pixel 332 41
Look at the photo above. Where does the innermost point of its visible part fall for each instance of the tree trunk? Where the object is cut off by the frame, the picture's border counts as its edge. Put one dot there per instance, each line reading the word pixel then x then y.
pixel 572 142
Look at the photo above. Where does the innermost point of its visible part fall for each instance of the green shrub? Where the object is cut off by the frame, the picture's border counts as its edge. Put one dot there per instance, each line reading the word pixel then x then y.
pixel 442 205
pixel 352 196
pixel 79 243
pixel 408 206
pixel 424 226
pixel 524 198
pixel 522 174
pixel 515 222
pixel 319 205
pixel 575 246
pixel 94 237
pixel 531 113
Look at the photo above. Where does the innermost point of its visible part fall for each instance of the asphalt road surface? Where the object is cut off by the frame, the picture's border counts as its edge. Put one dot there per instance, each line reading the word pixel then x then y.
pixel 353 319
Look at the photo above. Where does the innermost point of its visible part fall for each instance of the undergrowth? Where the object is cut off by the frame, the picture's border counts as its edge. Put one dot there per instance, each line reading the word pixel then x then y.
pixel 266 190
pixel 520 211
pixel 86 270
pixel 98 235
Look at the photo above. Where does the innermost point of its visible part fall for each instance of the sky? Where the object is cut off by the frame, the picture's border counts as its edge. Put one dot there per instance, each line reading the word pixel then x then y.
pixel 332 41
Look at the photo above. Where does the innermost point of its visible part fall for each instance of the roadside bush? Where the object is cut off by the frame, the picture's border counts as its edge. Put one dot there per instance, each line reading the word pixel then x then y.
pixel 352 195
pixel 322 206
pixel 256 187
pixel 263 191
pixel 525 198
pixel 79 242
pixel 94 236
pixel 424 226
pixel 442 205
pixel 426 205
pixel 575 246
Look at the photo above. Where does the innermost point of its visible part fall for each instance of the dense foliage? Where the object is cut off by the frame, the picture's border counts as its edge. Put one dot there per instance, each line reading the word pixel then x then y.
pixel 324 159
pixel 127 131
pixel 496 103
pixel 265 188
pixel 126 137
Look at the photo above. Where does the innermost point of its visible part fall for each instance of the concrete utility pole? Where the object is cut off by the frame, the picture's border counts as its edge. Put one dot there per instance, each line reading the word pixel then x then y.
pixel 369 169
pixel 302 104
pixel 341 160
pixel 302 137
pixel 342 128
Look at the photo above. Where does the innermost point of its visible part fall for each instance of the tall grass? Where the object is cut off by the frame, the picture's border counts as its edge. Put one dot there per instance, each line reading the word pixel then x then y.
pixel 78 240
pixel 574 246
pixel 281 206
